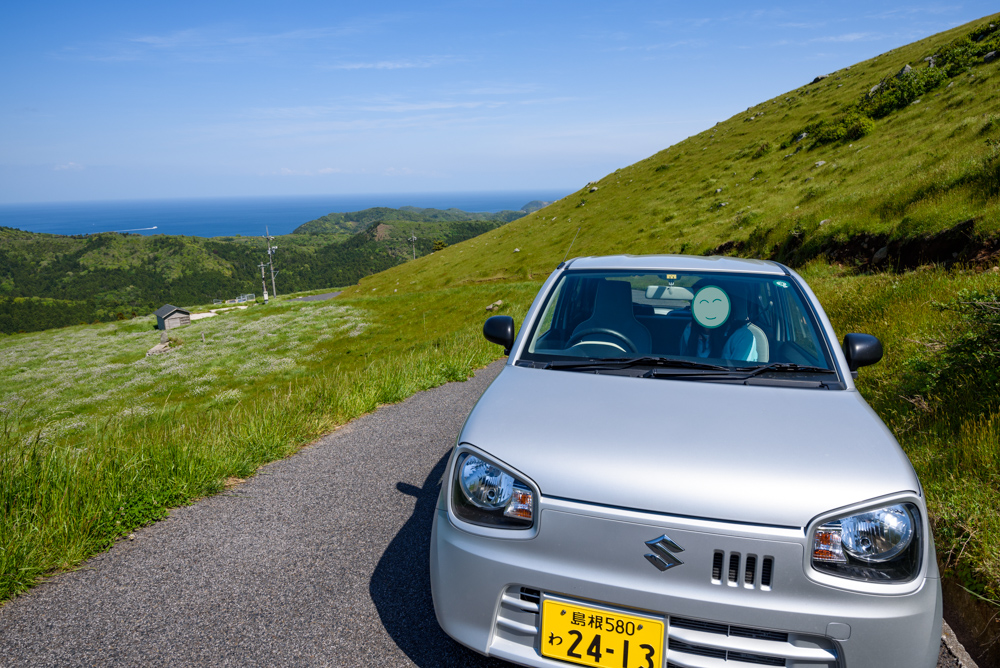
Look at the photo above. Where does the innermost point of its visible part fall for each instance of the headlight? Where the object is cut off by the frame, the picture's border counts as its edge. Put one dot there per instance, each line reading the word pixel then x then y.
pixel 485 494
pixel 880 545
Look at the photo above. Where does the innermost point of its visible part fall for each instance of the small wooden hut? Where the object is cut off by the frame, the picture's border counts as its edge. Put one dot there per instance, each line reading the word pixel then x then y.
pixel 169 316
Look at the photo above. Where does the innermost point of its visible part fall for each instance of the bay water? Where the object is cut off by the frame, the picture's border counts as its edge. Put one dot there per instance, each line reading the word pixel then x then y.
pixel 231 216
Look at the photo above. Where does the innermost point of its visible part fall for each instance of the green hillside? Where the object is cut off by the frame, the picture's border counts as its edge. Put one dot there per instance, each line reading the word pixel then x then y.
pixel 352 221
pixel 49 280
pixel 747 187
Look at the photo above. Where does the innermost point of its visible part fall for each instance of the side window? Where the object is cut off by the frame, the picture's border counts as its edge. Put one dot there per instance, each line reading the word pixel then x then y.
pixel 545 324
pixel 571 303
pixel 801 331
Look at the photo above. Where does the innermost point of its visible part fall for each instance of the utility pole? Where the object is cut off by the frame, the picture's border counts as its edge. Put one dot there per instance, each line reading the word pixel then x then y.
pixel 413 242
pixel 270 260
pixel 263 281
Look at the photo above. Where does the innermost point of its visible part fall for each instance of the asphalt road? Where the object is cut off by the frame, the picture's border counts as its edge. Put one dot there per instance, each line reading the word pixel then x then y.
pixel 319 560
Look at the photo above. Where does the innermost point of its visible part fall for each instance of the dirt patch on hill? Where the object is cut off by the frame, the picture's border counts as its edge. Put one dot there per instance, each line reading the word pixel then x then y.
pixel 958 244
pixel 382 232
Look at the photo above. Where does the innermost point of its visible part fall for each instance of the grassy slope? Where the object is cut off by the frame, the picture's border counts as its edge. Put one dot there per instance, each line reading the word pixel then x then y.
pixel 892 181
pixel 75 488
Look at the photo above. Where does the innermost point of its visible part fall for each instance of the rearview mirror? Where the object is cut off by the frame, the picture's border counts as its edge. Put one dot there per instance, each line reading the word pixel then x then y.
pixel 500 330
pixel 861 350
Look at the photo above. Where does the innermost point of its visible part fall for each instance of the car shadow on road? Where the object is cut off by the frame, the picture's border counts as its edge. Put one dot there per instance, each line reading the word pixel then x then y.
pixel 401 587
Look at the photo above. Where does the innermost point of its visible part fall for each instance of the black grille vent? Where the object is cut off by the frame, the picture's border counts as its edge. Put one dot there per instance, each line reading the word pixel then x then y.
pixel 758 634
pixel 696 649
pixel 734 567
pixel 698 625
pixel 729 571
pixel 766 570
pixel 717 566
pixel 725 655
pixel 531 595
pixel 750 571
pixel 727 630
pixel 758 659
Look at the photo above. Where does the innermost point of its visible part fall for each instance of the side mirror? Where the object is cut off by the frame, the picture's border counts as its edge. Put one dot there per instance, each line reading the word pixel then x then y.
pixel 499 329
pixel 861 350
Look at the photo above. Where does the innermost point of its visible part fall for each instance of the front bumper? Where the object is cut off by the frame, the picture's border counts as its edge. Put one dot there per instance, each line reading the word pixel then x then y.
pixel 486 590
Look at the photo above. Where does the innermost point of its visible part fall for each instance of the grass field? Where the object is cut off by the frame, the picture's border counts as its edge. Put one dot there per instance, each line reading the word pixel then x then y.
pixel 940 399
pixel 96 439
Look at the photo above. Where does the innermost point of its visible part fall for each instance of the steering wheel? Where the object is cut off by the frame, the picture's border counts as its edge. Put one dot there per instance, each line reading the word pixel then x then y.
pixel 576 339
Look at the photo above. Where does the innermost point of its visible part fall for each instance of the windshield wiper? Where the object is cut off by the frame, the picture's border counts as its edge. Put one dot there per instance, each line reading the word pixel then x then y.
pixel 627 362
pixel 740 374
pixel 668 367
pixel 786 367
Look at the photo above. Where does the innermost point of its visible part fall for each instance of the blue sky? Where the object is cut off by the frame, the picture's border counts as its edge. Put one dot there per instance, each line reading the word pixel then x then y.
pixel 106 100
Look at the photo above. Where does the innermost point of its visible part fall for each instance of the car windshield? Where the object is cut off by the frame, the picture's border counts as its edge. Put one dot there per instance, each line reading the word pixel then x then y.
pixel 735 321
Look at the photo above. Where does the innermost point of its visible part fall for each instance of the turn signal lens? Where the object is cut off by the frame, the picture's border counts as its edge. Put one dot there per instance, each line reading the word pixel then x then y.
pixel 520 504
pixel 827 545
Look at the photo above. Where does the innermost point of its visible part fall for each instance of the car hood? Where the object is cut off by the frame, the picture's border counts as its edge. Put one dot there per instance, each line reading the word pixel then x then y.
pixel 756 454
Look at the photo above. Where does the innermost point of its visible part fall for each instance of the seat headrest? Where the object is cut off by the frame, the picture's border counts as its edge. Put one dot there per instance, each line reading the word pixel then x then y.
pixel 737 306
pixel 613 302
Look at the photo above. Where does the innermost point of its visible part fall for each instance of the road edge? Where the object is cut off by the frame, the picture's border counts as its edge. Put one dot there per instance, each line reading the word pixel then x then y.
pixel 956 648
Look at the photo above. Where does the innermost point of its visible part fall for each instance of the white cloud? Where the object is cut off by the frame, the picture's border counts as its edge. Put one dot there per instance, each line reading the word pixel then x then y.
pixel 387 64
pixel 214 44
pixel 437 105
pixel 849 37
pixel 69 166
pixel 285 171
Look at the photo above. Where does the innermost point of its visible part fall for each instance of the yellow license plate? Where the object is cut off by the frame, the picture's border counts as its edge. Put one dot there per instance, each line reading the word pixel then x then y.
pixel 597 637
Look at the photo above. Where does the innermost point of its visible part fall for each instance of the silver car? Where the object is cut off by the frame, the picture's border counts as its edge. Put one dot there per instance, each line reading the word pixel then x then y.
pixel 674 468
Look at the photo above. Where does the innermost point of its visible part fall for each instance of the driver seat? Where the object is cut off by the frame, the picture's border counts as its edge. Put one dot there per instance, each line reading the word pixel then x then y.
pixel 613 311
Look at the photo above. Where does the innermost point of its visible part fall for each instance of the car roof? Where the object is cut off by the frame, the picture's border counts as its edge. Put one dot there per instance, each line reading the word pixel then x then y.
pixel 678 263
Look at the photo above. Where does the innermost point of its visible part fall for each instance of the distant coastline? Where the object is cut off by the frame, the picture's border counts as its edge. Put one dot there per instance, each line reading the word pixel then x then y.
pixel 231 216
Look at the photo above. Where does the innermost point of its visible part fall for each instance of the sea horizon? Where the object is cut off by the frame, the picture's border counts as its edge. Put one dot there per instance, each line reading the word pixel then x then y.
pixel 243 216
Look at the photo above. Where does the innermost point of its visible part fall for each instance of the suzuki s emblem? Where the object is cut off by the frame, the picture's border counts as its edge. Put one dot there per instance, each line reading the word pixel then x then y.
pixel 663 556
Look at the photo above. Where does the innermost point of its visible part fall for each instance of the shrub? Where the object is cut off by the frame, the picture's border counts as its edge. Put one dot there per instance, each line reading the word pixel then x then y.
pixel 898 91
pixel 989 172
pixel 860 127
pixel 991 122
pixel 968 362
pixel 827 133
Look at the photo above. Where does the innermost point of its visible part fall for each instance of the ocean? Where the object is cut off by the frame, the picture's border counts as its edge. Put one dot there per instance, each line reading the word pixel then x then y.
pixel 229 216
